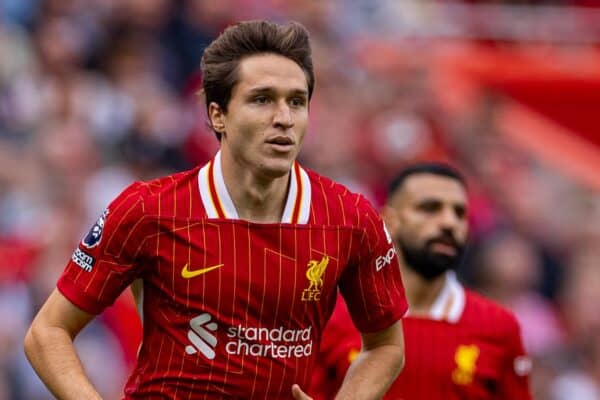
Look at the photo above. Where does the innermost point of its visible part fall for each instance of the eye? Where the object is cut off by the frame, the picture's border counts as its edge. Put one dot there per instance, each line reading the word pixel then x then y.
pixel 430 207
pixel 297 101
pixel 460 211
pixel 260 99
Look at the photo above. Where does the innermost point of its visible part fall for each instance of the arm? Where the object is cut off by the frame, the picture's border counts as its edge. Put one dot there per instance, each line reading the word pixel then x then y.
pixel 374 370
pixel 377 366
pixel 49 348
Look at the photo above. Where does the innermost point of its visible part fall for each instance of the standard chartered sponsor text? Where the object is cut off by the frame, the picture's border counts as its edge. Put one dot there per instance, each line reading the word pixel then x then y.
pixel 263 342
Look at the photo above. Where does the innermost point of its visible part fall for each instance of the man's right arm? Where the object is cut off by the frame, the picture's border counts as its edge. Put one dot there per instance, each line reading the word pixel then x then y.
pixel 50 350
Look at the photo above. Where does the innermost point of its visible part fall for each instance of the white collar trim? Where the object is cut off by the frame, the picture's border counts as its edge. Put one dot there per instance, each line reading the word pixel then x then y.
pixel 218 204
pixel 450 303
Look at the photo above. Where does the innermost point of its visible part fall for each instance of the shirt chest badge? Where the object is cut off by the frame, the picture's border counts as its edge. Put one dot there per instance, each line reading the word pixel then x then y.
pixel 466 358
pixel 314 273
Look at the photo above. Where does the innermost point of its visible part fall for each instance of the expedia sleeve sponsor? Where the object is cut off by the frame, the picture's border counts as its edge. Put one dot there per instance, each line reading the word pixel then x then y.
pixel 84 260
pixel 385 259
pixel 372 285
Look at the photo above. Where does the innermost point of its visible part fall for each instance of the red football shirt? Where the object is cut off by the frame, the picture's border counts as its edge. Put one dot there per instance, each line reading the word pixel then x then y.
pixel 232 308
pixel 468 348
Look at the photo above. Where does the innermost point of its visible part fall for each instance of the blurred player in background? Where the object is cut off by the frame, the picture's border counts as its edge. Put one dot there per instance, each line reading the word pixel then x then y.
pixel 459 345
pixel 238 261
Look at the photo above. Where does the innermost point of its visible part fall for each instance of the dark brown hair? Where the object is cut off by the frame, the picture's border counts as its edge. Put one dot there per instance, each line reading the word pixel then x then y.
pixel 221 58
pixel 434 168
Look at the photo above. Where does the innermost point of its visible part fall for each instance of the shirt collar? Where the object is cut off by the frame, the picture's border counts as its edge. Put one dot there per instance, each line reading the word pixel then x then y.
pixel 218 203
pixel 450 302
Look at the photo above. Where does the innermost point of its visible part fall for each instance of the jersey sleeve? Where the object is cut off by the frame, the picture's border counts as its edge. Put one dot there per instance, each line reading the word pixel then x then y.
pixel 372 285
pixel 514 382
pixel 108 258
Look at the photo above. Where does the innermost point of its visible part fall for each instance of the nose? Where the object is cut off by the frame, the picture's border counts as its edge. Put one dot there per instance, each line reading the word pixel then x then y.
pixel 448 219
pixel 283 116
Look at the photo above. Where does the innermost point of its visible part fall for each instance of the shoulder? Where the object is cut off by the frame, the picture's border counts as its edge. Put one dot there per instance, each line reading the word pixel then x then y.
pixel 163 193
pixel 328 188
pixel 167 185
pixel 490 315
pixel 338 204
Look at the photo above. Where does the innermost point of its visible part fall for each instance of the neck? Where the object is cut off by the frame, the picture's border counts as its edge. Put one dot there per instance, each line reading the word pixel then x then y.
pixel 256 198
pixel 421 293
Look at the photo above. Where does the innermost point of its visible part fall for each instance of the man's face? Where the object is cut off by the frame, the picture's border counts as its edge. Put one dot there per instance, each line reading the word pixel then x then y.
pixel 429 223
pixel 267 115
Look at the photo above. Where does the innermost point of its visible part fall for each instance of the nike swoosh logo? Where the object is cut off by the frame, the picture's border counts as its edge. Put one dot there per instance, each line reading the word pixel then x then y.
pixel 187 274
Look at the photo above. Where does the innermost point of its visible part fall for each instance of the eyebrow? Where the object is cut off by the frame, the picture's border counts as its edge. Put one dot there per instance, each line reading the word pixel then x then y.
pixel 264 89
pixel 432 199
pixel 429 200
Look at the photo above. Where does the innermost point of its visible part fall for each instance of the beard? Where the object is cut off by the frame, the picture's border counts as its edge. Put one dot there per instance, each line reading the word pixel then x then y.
pixel 428 263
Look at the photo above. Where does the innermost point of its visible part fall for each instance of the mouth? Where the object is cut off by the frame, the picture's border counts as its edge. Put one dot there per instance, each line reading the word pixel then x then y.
pixel 444 246
pixel 281 144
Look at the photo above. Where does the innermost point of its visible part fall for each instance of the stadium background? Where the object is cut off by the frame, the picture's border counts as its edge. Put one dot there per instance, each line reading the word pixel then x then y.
pixel 95 94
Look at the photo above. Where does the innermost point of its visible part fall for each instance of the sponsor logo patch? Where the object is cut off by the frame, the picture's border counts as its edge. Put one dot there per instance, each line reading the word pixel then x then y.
pixel 385 259
pixel 201 336
pixel 273 343
pixel 189 274
pixel 278 342
pixel 93 237
pixel 84 260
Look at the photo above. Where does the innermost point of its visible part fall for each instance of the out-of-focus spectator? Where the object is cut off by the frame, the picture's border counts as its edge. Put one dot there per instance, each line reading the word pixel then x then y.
pixel 508 269
pixel 580 376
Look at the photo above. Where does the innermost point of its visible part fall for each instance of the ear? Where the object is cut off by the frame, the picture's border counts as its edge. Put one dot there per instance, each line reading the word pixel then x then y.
pixel 216 117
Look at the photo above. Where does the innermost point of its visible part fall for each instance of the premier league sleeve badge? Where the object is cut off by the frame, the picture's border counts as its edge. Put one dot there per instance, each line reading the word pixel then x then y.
pixel 93 237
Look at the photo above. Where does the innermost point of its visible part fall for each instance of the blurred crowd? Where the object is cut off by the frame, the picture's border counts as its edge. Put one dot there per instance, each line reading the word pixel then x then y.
pixel 94 95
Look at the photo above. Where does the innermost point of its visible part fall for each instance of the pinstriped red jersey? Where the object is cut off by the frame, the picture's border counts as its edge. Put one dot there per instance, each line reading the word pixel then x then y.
pixel 467 348
pixel 230 308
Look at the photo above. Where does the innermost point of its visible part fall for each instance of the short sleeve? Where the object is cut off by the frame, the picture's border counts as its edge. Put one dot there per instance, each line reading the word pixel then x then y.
pixel 108 258
pixel 372 284
pixel 517 366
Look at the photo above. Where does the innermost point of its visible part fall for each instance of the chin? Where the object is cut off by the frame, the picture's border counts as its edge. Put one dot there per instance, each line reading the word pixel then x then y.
pixel 276 167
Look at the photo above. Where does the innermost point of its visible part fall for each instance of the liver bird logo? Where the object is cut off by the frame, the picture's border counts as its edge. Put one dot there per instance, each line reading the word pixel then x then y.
pixel 315 272
pixel 465 358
